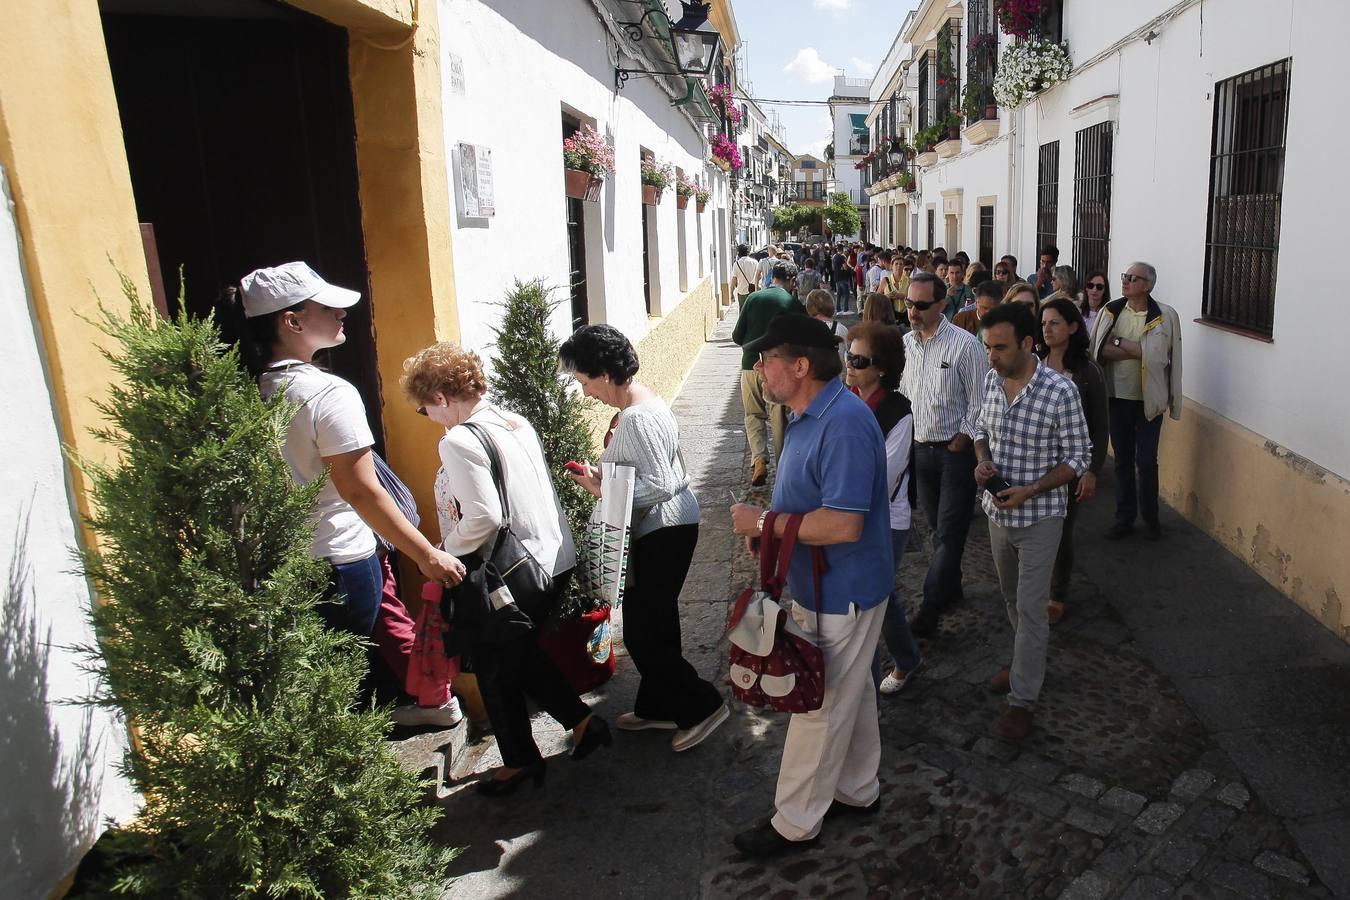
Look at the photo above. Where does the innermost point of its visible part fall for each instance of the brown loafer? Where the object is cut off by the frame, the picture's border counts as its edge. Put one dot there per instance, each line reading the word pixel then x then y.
pixel 759 474
pixel 1001 683
pixel 1013 725
pixel 1054 611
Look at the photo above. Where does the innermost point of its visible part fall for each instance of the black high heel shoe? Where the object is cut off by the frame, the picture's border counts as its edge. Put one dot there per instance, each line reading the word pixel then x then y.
pixel 596 734
pixel 500 787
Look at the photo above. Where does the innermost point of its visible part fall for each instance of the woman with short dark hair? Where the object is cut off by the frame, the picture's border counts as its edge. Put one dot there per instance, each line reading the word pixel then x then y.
pixel 876 359
pixel 645 435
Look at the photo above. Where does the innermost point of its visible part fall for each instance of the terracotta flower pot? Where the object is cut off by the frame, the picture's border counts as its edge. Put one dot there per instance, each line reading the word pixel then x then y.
pixel 681 201
pixel 954 133
pixel 581 185
pixel 651 194
pixel 702 205
pixel 991 111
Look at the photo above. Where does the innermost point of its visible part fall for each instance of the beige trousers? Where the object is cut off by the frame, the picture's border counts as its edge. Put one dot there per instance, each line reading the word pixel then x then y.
pixel 834 752
pixel 761 416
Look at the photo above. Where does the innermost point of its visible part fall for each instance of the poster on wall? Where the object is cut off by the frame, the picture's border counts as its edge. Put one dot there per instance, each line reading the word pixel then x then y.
pixel 475 181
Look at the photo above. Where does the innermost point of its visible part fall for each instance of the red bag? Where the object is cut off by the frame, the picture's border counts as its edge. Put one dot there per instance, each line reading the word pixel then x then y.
pixel 429 669
pixel 773 663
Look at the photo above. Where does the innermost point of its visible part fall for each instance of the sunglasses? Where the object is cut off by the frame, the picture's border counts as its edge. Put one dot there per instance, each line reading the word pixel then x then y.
pixel 922 305
pixel 1096 286
pixel 1129 278
pixel 861 362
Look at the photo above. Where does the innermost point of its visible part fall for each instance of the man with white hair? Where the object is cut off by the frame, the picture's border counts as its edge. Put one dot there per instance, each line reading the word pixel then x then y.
pixel 1138 342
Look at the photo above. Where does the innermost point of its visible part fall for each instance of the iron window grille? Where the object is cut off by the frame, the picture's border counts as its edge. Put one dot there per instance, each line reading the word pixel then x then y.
pixel 981 55
pixel 1246 183
pixel 1092 198
pixel 932 228
pixel 927 90
pixel 948 85
pixel 576 246
pixel 1047 196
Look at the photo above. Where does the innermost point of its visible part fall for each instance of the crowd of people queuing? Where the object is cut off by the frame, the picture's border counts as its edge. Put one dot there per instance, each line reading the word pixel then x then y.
pixel 955 383
pixel 959 384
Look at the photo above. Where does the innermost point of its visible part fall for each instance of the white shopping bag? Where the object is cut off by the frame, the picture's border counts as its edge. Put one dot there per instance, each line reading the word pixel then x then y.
pixel 604 557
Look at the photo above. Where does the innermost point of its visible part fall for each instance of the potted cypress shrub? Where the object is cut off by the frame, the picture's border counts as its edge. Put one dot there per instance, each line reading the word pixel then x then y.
pixel 260 771
pixel 655 178
pixel 587 159
pixel 525 380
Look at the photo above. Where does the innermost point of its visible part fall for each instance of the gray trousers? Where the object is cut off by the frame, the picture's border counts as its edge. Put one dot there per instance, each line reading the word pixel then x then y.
pixel 1024 559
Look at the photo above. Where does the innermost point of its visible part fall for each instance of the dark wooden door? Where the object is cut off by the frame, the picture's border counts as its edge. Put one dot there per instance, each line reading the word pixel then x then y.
pixel 242 149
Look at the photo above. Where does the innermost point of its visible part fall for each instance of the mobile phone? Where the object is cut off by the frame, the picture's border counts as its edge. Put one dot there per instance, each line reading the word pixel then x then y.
pixel 997 485
pixel 574 467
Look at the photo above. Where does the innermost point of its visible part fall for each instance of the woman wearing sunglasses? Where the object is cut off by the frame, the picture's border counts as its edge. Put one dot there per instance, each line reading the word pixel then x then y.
pixel 875 361
pixel 1096 294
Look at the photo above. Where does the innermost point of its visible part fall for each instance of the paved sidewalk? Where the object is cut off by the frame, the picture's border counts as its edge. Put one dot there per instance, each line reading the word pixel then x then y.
pixel 1193 740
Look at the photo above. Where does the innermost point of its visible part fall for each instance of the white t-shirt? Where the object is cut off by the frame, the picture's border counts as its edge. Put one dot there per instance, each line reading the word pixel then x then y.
pixel 899 445
pixel 331 420
pixel 744 275
pixel 473 514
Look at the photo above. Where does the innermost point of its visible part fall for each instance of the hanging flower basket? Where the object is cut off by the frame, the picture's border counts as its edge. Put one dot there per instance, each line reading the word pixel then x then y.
pixel 587 158
pixel 1027 68
pixel 581 185
pixel 725 155
pixel 1021 18
pixel 701 205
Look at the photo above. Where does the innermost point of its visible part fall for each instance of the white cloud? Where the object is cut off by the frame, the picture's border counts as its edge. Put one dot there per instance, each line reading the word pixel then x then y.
pixel 832 4
pixel 817 148
pixel 809 67
pixel 861 66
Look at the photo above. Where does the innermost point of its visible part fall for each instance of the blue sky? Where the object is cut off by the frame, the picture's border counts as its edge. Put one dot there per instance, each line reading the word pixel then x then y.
pixel 794 49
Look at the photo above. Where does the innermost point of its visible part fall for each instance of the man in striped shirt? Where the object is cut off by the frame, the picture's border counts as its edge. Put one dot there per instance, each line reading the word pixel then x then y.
pixel 1030 433
pixel 944 381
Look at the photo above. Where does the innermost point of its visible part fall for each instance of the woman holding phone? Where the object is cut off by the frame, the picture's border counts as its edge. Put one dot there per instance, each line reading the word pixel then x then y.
pixel 646 436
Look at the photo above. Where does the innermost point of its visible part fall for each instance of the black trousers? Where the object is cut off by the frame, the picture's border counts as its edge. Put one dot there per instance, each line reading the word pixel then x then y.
pixel 671 689
pixel 508 674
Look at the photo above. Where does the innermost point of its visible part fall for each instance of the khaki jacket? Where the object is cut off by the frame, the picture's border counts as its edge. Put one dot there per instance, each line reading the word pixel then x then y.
pixel 1161 362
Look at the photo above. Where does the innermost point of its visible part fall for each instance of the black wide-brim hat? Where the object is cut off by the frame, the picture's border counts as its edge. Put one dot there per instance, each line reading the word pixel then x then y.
pixel 796 329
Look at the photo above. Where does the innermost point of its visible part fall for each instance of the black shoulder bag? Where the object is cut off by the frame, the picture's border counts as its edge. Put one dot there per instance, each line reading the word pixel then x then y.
pixel 530 586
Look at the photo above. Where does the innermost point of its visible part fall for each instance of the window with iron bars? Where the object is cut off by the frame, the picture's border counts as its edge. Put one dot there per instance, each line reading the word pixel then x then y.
pixel 981 56
pixel 948 94
pixel 1246 184
pixel 927 94
pixel 1047 196
pixel 1092 198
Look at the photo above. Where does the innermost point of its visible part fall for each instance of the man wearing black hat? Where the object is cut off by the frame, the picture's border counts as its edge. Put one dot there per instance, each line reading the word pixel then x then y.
pixel 762 415
pixel 833 472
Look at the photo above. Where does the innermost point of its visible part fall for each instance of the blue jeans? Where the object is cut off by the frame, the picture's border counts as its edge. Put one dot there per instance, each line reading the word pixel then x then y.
pixel 1134 440
pixel 357 588
pixel 844 292
pixel 895 632
pixel 946 488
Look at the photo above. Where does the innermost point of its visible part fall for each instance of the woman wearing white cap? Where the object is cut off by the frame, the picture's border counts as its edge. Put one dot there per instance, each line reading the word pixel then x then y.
pixel 290 314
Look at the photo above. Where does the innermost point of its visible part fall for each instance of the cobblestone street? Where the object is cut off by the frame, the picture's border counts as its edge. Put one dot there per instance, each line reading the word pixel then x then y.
pixel 1192 740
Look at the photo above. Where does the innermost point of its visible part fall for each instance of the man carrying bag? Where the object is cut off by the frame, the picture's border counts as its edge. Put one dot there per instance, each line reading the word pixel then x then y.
pixel 838 485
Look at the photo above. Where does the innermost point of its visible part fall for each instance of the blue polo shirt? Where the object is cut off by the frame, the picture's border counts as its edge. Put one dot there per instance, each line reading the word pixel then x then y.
pixel 834 456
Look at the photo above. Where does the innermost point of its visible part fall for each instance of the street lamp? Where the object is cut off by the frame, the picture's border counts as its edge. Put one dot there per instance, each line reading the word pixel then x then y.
pixel 696 41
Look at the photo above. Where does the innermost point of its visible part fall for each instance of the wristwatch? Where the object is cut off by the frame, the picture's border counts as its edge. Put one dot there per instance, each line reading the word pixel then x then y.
pixel 1115 342
pixel 759 525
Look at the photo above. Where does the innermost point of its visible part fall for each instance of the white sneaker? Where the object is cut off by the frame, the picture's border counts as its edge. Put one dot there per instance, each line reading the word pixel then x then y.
pixel 895 682
pixel 688 738
pixel 446 715
pixel 634 722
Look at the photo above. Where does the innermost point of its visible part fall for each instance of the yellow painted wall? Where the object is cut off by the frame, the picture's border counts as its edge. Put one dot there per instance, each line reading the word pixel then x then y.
pixel 669 350
pixel 1282 515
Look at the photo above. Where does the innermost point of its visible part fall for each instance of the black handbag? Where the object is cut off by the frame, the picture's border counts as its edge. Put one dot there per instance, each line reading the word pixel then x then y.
pixel 529 585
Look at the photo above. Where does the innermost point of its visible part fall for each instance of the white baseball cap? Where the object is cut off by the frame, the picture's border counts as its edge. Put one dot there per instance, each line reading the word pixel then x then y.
pixel 281 287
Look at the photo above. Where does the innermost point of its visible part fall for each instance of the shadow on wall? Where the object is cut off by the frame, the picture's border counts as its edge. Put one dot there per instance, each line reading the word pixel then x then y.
pixel 51 808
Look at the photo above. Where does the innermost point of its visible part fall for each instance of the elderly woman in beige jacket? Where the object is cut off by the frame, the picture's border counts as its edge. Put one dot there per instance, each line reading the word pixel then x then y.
pixel 1138 342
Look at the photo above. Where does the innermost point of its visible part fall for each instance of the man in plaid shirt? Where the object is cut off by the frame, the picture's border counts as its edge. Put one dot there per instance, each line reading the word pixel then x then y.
pixel 1032 434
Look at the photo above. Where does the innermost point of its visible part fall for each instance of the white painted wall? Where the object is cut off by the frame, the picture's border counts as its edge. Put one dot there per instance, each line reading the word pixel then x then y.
pixel 60 785
pixel 1160 200
pixel 521 69
pixel 979 172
